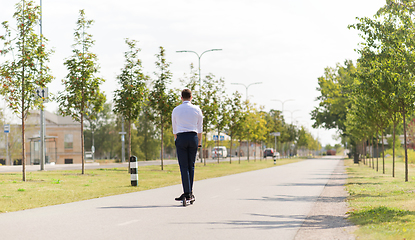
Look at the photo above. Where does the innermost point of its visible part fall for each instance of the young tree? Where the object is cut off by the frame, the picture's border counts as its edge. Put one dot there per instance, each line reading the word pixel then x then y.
pixel 236 116
pixel 274 123
pixel 81 84
pixel 146 133
pixel 209 100
pixel 161 100
pixel 259 130
pixel 20 73
pixel 129 99
pixel 222 117
pixel 96 122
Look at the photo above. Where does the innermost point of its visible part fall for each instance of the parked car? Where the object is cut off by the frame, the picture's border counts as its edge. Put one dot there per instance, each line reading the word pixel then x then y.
pixel 221 151
pixel 271 152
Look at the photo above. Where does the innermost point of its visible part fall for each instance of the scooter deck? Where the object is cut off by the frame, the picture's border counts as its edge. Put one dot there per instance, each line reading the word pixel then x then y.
pixel 187 202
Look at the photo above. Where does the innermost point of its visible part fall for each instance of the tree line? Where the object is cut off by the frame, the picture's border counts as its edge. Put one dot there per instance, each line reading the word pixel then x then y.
pixel 140 100
pixel 373 97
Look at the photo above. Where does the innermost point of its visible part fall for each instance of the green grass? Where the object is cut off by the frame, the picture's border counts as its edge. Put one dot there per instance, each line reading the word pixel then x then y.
pixel 58 187
pixel 382 206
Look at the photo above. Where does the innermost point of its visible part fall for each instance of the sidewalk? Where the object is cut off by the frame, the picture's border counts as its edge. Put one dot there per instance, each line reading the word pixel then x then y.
pixel 273 203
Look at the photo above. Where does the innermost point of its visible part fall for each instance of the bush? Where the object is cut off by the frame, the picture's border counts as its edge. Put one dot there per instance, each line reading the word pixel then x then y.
pixel 400 154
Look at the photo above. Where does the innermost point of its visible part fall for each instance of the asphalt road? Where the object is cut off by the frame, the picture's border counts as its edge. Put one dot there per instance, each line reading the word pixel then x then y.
pixel 265 204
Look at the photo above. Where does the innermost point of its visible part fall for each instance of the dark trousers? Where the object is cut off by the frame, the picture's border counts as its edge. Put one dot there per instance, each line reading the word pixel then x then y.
pixel 186 147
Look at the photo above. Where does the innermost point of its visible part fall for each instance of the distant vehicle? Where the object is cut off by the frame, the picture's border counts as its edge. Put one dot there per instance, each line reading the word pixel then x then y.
pixel 331 152
pixel 221 151
pixel 271 152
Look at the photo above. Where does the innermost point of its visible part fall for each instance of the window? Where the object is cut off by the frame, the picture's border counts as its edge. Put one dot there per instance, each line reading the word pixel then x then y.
pixel 68 141
pixel 68 161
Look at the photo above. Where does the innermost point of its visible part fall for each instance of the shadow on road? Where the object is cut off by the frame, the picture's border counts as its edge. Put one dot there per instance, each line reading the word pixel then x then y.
pixel 289 198
pixel 279 221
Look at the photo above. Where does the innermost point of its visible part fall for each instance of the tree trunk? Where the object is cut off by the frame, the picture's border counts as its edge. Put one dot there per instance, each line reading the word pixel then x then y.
pixel 161 150
pixel 239 154
pixel 383 153
pixel 217 144
pixel 364 152
pixel 23 142
pixel 205 145
pixel 230 155
pixel 404 139
pixel 82 140
pixel 393 151
pixel 248 147
pixel 369 160
pixel 23 107
pixel 129 141
pixel 373 153
pixel 377 150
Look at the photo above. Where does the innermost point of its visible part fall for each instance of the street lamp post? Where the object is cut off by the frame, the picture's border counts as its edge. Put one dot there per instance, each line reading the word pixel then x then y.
pixel 292 112
pixel 200 86
pixel 199 57
pixel 282 102
pixel 246 87
pixel 42 113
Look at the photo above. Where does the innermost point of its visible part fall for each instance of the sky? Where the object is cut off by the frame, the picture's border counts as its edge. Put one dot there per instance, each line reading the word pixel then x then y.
pixel 285 45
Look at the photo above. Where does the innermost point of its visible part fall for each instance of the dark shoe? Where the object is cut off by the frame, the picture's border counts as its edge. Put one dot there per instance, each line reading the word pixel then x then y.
pixel 191 197
pixel 183 196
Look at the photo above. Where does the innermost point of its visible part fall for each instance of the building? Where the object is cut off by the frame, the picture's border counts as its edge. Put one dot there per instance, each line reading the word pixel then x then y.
pixel 62 140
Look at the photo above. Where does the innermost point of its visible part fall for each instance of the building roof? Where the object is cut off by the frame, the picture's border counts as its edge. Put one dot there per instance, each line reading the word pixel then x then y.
pixel 52 118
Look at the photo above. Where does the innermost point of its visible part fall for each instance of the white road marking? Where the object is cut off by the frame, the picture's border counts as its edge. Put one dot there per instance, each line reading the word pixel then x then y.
pixel 129 222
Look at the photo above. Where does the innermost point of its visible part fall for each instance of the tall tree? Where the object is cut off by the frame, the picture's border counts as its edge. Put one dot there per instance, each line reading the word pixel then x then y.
pixel 20 73
pixel 332 109
pixel 161 99
pixel 128 100
pixel 81 84
pixel 389 38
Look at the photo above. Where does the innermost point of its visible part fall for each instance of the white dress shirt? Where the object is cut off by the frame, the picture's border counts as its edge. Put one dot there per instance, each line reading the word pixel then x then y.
pixel 187 118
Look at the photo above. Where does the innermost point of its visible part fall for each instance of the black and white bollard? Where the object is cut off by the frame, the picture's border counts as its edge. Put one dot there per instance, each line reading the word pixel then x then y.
pixel 134 170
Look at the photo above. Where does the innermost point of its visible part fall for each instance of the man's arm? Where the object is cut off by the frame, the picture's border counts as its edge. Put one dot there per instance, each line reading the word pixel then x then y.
pixel 173 125
pixel 199 137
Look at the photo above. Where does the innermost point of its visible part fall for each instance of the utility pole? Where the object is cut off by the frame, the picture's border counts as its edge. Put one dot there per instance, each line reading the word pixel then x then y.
pixel 42 113
pixel 6 131
pixel 43 94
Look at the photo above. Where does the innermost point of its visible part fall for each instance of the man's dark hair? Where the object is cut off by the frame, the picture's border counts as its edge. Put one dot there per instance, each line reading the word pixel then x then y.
pixel 186 94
